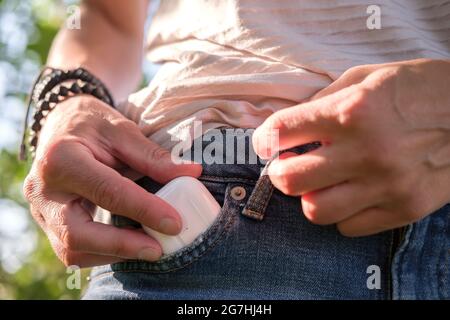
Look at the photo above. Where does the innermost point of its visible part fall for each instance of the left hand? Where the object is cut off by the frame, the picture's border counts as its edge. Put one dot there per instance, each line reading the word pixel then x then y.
pixel 385 155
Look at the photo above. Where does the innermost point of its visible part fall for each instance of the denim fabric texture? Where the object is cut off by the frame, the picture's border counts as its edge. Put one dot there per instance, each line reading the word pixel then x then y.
pixel 282 256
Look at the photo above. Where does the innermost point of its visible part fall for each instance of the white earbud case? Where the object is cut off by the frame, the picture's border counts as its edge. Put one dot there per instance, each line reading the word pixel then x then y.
pixel 195 204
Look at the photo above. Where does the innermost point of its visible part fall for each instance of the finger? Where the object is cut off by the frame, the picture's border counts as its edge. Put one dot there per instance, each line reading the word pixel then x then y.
pixel 301 124
pixel 95 237
pixel 105 187
pixel 86 260
pixel 337 203
pixel 349 78
pixel 299 174
pixel 38 217
pixel 80 233
pixel 145 156
pixel 130 174
pixel 80 259
pixel 370 221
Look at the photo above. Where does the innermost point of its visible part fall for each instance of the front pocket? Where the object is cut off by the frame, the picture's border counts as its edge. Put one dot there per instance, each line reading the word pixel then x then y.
pixel 201 245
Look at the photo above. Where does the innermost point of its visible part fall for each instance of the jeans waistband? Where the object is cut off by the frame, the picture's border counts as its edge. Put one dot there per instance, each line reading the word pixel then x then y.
pixel 229 153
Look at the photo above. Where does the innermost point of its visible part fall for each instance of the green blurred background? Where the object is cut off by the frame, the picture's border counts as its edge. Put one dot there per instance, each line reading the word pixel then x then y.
pixel 28 267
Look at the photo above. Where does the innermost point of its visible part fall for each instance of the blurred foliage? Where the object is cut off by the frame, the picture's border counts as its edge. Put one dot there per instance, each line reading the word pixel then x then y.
pixel 41 275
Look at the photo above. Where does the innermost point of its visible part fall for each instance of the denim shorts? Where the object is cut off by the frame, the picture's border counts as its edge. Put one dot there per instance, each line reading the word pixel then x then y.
pixel 283 255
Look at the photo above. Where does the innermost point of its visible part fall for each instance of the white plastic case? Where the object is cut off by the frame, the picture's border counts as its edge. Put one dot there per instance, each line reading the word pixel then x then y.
pixel 195 204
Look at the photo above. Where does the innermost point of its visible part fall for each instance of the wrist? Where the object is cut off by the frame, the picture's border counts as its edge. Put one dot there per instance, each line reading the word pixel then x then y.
pixel 51 88
pixel 78 118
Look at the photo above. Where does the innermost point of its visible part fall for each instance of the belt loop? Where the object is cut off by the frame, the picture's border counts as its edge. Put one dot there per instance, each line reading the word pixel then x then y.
pixel 256 205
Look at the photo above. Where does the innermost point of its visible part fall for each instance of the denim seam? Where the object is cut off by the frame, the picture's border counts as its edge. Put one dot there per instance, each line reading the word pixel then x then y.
pixel 442 272
pixel 227 179
pixel 142 270
pixel 211 246
pixel 389 264
pixel 228 218
pixel 398 266
pixel 139 270
pixel 187 253
pixel 393 250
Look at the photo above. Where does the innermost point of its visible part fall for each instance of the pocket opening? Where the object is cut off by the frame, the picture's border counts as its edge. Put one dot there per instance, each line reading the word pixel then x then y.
pixel 200 246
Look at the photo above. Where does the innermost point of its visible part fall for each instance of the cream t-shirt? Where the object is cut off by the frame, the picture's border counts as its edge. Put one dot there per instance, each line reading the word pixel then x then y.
pixel 235 62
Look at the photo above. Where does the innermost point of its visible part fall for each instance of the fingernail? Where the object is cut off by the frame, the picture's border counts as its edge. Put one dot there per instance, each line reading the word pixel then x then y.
pixel 169 226
pixel 148 254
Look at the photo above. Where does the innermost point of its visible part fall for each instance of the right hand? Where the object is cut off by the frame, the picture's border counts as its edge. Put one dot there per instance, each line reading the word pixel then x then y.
pixel 82 145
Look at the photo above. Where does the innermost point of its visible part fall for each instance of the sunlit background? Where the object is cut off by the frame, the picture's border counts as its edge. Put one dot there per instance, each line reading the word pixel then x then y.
pixel 28 267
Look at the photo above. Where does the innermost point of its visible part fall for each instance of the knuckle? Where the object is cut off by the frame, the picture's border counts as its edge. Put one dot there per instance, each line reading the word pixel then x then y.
pixel 68 258
pixel 154 152
pixel 355 69
pixel 68 238
pixel 351 72
pixel 29 188
pixel 123 124
pixel 118 127
pixel 106 194
pixel 39 218
pixel 35 213
pixel 59 215
pixel 352 112
pixel 140 214
pixel 49 165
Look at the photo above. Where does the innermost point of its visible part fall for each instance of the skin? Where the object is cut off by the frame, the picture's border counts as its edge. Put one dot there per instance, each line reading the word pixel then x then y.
pixel 385 159
pixel 85 143
pixel 384 163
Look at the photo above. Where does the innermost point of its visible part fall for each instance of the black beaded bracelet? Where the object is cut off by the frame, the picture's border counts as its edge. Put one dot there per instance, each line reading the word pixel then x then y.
pixel 51 99
pixel 57 76
pixel 45 98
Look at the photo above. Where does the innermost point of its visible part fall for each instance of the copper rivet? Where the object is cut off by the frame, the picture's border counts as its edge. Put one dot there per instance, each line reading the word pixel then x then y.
pixel 238 193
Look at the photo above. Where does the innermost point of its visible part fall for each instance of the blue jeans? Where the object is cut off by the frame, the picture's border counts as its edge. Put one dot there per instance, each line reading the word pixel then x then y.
pixel 283 256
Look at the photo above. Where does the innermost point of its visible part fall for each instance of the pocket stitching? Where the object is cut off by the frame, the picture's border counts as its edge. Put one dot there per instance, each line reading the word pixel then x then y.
pixel 142 270
pixel 147 267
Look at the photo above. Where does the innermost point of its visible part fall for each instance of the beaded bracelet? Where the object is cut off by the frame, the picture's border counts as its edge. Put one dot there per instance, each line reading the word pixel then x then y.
pixel 57 76
pixel 45 98
pixel 51 99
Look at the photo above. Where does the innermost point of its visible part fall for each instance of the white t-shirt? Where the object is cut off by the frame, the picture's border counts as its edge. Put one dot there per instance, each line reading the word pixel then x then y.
pixel 235 62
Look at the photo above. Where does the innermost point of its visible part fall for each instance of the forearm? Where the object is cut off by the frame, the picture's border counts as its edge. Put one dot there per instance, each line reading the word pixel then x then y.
pixel 109 44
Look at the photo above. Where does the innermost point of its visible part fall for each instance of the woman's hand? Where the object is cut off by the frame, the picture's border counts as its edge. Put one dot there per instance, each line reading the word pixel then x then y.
pixel 83 144
pixel 385 159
